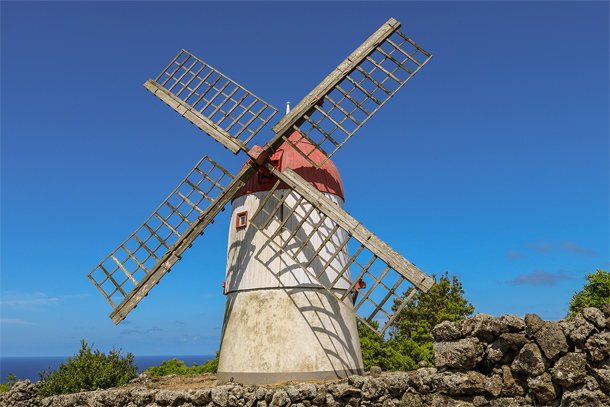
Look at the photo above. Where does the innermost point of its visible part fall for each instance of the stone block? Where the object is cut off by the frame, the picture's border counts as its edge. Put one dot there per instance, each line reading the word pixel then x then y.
pixel 279 399
pixel 309 390
pixel 514 340
pixel 480 401
pixel 570 370
pixel 412 399
pixel 341 390
pixel 533 322
pixel 542 387
pixel 530 361
pixel 356 381
pixel 512 385
pixel 396 383
pixel 460 383
pixel 220 395
pixel 598 346
pixel 375 371
pixel 509 323
pixel 482 326
pixel 442 400
pixel 505 348
pixel 373 388
pixel 603 378
pixel 581 396
pixel 463 354
pixel 552 340
pixel 493 384
pixel 595 316
pixel 422 380
pixel 446 331
pixel 578 329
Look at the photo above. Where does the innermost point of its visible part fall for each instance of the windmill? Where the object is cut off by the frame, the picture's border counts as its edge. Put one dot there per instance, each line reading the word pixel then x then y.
pixel 300 270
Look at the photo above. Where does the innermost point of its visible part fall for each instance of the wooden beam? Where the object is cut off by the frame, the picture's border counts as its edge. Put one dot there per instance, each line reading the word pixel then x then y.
pixel 166 262
pixel 377 246
pixel 232 143
pixel 295 116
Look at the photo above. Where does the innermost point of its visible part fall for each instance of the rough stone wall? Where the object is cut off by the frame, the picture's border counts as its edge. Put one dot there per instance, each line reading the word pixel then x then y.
pixel 508 360
pixel 22 394
pixel 482 361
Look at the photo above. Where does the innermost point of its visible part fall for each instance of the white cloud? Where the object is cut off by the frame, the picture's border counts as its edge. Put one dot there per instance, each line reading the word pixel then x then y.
pixel 131 331
pixel 543 247
pixel 540 277
pixel 546 247
pixel 15 321
pixel 581 251
pixel 513 254
pixel 26 299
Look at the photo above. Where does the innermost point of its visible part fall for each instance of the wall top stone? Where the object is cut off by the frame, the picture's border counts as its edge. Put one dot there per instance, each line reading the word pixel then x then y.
pixel 446 331
pixel 533 322
pixel 595 316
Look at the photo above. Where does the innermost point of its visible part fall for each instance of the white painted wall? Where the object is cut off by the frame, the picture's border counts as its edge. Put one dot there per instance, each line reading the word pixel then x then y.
pixel 280 324
pixel 254 262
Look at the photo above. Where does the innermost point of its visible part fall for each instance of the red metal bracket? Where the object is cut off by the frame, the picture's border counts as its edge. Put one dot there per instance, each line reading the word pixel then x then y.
pixel 359 284
pixel 258 154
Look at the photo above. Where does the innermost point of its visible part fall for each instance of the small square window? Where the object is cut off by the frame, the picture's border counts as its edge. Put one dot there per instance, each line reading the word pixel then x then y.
pixel 241 220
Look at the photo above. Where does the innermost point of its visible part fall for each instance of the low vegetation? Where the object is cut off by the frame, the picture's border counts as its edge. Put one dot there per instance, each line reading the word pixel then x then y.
pixel 178 367
pixel 409 341
pixel 596 293
pixel 10 381
pixel 88 370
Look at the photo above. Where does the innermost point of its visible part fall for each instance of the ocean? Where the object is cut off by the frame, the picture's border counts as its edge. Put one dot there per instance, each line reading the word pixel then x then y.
pixel 28 367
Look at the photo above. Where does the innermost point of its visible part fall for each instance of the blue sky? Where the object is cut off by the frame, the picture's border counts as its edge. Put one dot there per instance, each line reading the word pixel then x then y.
pixel 491 163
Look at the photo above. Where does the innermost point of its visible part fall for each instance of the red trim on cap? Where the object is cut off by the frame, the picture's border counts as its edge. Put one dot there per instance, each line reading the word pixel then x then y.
pixel 324 179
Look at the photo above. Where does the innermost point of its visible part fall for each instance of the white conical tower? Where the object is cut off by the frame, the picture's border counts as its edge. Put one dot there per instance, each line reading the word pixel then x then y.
pixel 280 324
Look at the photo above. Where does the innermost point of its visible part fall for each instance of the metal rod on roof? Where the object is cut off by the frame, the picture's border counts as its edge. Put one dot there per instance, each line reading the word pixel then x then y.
pixel 287 107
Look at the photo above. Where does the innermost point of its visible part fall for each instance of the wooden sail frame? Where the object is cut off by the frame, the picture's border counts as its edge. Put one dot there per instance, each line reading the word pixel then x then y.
pixel 128 273
pixel 353 92
pixel 228 112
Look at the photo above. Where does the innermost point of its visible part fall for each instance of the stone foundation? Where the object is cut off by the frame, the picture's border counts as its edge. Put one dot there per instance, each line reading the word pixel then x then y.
pixel 481 361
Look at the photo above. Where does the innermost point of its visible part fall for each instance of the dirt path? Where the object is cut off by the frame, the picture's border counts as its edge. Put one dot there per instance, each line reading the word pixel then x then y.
pixel 175 382
pixel 185 382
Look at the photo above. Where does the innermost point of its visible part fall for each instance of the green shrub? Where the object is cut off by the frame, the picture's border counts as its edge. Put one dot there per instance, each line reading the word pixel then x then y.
pixel 211 366
pixel 88 370
pixel 594 294
pixel 178 367
pixel 168 367
pixel 10 381
pixel 409 341
pixel 391 354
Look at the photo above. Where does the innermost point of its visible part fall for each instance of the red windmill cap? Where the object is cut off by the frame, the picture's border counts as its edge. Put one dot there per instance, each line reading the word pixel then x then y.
pixel 324 179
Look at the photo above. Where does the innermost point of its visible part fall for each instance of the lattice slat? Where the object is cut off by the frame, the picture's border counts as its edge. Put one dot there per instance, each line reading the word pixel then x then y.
pixel 212 101
pixel 352 93
pixel 321 247
pixel 118 274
